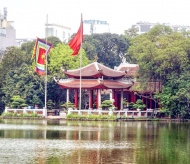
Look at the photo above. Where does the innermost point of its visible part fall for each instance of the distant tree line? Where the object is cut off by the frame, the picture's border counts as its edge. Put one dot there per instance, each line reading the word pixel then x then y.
pixel 162 54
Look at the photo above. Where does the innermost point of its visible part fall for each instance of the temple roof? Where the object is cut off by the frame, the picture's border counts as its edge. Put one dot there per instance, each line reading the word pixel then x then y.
pixel 131 69
pixel 95 70
pixel 93 83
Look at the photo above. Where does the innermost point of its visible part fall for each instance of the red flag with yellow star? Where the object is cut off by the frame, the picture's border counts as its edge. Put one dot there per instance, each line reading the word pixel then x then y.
pixel 40 53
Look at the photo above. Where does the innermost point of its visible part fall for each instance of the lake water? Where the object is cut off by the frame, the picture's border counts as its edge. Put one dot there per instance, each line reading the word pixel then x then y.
pixel 75 142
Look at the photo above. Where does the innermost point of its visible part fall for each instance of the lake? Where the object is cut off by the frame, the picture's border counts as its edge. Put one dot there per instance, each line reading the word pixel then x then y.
pixel 93 142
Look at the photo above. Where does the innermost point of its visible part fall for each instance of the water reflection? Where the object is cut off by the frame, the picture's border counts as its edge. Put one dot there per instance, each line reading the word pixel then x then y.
pixel 59 141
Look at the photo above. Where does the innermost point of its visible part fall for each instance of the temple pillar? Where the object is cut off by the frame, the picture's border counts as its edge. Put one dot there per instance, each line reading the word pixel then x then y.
pixel 150 103
pixel 121 100
pixel 76 98
pixel 134 97
pixel 67 96
pixel 98 98
pixel 90 99
pixel 113 97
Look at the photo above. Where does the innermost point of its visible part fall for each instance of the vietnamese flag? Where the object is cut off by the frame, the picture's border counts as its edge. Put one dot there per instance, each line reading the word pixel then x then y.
pixel 41 57
pixel 40 53
pixel 77 40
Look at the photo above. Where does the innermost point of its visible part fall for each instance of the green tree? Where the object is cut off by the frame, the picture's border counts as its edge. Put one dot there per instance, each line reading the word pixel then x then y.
pixel 106 48
pixel 24 82
pixel 164 57
pixel 13 59
pixel 61 56
pixel 139 104
pixel 17 102
pixel 106 104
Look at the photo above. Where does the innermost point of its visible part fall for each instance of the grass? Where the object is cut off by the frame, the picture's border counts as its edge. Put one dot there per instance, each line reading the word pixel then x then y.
pixel 21 115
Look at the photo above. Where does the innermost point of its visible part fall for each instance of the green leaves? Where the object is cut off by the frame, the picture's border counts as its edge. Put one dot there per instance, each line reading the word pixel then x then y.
pixel 61 56
pixel 164 55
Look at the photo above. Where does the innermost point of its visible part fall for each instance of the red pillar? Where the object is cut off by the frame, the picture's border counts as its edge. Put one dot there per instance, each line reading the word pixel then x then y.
pixel 91 99
pixel 97 98
pixel 150 103
pixel 76 98
pixel 113 96
pixel 133 96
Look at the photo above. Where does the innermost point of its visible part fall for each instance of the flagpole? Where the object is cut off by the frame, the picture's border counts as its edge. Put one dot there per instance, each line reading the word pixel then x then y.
pixel 80 98
pixel 45 80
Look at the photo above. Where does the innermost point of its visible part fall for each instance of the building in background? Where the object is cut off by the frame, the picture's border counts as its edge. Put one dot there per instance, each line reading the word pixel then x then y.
pixel 95 27
pixel 143 27
pixel 62 32
pixel 7 31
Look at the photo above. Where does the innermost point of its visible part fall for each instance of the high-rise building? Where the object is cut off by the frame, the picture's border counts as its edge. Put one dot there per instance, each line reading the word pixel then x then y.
pixel 95 27
pixel 62 32
pixel 143 27
pixel 7 31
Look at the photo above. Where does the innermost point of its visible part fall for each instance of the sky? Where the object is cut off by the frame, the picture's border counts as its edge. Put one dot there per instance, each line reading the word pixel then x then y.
pixel 29 16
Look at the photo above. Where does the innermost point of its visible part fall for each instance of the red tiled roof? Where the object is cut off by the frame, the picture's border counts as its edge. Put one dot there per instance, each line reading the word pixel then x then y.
pixel 132 69
pixel 92 83
pixel 94 70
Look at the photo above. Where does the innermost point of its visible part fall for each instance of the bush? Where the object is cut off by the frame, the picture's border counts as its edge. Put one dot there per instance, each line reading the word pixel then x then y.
pixel 139 104
pixel 106 104
pixel 67 105
pixel 131 105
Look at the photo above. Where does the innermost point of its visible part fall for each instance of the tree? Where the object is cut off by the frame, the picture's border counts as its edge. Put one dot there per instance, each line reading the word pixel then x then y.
pixel 106 48
pixel 17 102
pixel 106 104
pixel 164 56
pixel 131 32
pixel 139 104
pixel 13 59
pixel 53 40
pixel 27 49
pixel 61 56
pixel 25 83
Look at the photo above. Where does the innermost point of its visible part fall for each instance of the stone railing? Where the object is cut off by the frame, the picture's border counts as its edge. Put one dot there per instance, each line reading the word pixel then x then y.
pixel 40 112
pixel 118 114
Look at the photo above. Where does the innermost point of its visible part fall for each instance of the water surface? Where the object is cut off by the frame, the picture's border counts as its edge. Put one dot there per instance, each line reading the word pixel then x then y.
pixel 74 142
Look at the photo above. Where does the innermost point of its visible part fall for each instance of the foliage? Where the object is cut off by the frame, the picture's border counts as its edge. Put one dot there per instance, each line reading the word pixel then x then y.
pixel 106 104
pixel 53 40
pixel 27 49
pixel 17 102
pixel 131 32
pixel 139 105
pixel 50 104
pixel 24 82
pixel 61 56
pixel 91 117
pixel 131 105
pixel 21 115
pixel 13 59
pixel 94 105
pixel 125 102
pixel 67 105
pixel 106 48
pixel 164 57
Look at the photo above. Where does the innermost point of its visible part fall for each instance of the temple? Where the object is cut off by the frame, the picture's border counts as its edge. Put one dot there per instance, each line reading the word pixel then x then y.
pixel 98 80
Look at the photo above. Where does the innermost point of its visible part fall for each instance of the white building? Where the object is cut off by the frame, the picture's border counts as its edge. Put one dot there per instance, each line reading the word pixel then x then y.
pixel 7 32
pixel 62 32
pixel 143 27
pixel 95 27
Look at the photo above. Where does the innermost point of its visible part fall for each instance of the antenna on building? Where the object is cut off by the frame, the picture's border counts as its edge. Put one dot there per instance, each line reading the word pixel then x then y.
pixel 5 13
pixel 91 28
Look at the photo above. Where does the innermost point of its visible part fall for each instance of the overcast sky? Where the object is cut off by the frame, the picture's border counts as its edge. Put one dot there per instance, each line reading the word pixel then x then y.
pixel 30 15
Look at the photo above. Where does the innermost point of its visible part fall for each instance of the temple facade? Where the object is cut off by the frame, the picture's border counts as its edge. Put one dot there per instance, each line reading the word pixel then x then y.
pixel 97 80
